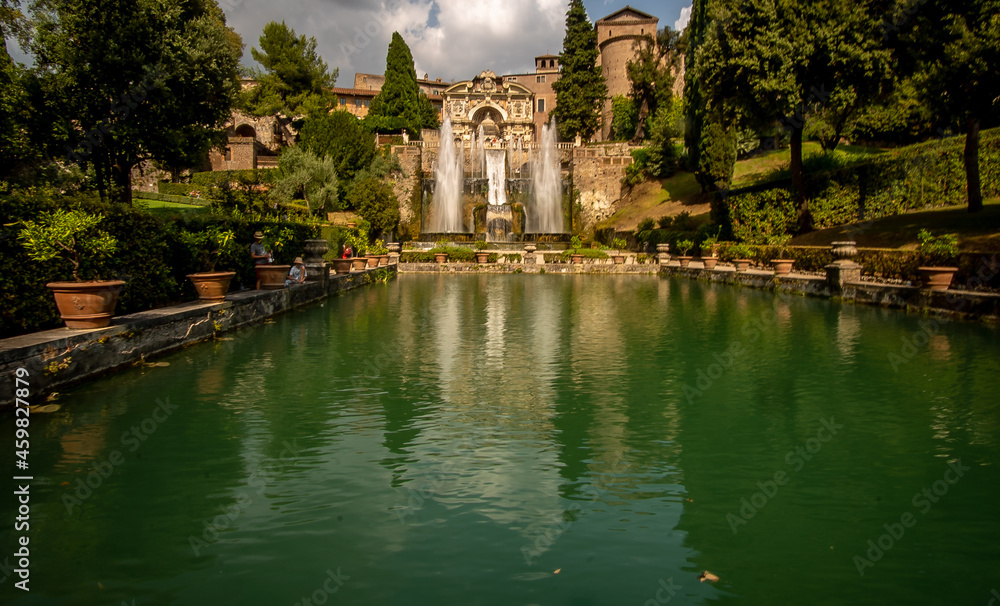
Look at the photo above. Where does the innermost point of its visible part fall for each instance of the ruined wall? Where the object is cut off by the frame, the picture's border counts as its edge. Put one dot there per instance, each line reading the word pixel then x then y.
pixel 597 178
pixel 406 184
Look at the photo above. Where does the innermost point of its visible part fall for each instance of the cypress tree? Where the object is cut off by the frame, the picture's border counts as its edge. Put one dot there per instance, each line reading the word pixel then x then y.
pixel 397 105
pixel 580 90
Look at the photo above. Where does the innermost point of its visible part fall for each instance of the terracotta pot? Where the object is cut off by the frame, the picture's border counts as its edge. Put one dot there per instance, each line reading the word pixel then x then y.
pixel 618 259
pixel 782 267
pixel 372 260
pixel 383 260
pixel 86 304
pixel 742 264
pixel 212 286
pixel 440 257
pixel 359 263
pixel 342 266
pixel 936 278
pixel 482 257
pixel 576 259
pixel 685 261
pixel 710 262
pixel 272 277
pixel 351 225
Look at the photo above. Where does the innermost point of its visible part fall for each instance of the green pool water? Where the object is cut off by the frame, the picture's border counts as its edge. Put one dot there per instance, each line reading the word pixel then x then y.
pixel 460 439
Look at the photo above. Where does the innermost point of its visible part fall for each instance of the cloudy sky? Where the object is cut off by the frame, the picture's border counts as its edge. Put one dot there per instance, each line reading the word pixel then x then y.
pixel 449 39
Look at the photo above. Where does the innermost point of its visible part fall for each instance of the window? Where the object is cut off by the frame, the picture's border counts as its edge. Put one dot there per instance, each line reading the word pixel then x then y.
pixel 552 62
pixel 539 78
pixel 229 154
pixel 358 103
pixel 541 105
pixel 368 102
pixel 609 33
pixel 343 100
pixel 512 79
pixel 364 78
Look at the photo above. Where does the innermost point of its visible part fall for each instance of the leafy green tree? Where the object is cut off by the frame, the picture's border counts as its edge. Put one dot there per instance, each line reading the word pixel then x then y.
pixel 302 175
pixel 295 79
pixel 342 138
pixel 651 74
pixel 375 201
pixel 398 106
pixel 779 60
pixel 428 113
pixel 580 89
pixel 625 118
pixel 13 112
pixel 957 50
pixel 135 81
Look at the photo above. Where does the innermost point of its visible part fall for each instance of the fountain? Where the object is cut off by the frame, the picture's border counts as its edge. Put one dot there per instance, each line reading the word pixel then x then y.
pixel 499 214
pixel 446 214
pixel 546 214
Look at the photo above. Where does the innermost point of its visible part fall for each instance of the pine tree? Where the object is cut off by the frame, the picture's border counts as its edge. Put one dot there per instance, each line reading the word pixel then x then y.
pixel 580 90
pixel 295 79
pixel 397 106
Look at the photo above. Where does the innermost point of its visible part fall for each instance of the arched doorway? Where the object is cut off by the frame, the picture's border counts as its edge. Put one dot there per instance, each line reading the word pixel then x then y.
pixel 245 130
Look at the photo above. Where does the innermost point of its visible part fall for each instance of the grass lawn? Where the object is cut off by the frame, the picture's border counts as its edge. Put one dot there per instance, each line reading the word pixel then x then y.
pixel 767 165
pixel 165 209
pixel 658 198
pixel 978 232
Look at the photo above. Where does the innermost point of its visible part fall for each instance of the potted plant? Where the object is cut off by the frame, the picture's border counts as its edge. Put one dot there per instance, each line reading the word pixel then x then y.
pixel 576 244
pixel 684 246
pixel 272 276
pixel 481 255
pixel 782 264
pixel 72 235
pixel 210 246
pixel 710 244
pixel 379 252
pixel 616 255
pixel 936 255
pixel 440 251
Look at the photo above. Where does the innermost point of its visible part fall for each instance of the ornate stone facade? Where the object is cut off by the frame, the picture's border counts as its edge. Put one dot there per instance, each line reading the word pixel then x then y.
pixel 505 110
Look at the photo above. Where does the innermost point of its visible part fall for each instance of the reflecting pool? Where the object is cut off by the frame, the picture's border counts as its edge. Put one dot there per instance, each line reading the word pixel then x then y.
pixel 532 440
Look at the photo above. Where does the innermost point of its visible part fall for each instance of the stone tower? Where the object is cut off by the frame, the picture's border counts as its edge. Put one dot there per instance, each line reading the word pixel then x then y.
pixel 616 36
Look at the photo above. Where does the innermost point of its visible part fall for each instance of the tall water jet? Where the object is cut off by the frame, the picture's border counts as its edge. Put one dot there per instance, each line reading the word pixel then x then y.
pixel 482 152
pixel 499 215
pixel 446 211
pixel 546 216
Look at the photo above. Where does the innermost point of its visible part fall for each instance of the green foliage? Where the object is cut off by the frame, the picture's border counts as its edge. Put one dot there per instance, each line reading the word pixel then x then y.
pixel 625 118
pixel 937 250
pixel 210 246
pixel 399 106
pixel 651 75
pixel 663 128
pixel 134 81
pixel 66 234
pixel 588 253
pixel 685 246
pixel 295 79
pixel 480 244
pixel 342 138
pixel 576 243
pixel 716 153
pixel 302 175
pixel 920 176
pixel 375 201
pixel 619 244
pixel 580 89
pixel 14 114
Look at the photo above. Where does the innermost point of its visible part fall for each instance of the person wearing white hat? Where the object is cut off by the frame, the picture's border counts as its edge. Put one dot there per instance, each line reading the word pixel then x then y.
pixel 297 274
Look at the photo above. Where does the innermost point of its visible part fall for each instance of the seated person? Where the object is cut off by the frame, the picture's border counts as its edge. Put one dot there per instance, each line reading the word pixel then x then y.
pixel 297 274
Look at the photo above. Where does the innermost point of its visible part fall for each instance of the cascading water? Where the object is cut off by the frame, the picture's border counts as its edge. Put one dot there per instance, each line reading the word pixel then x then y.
pixel 499 216
pixel 446 212
pixel 546 216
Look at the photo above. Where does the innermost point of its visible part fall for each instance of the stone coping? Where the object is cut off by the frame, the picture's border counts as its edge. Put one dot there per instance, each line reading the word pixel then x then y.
pixel 528 268
pixel 60 357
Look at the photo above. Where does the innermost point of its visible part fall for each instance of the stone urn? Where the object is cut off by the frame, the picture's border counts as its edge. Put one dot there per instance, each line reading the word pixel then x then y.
pixel 315 249
pixel 936 278
pixel 212 286
pixel 530 248
pixel 394 247
pixel 86 304
pixel 844 250
pixel 663 253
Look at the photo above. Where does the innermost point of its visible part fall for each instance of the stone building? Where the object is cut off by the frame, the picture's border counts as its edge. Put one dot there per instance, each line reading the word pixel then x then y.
pixel 616 37
pixel 539 83
pixel 254 142
pixel 503 108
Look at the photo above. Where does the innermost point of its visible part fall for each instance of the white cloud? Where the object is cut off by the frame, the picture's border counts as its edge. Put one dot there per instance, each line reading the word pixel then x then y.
pixel 466 37
pixel 682 21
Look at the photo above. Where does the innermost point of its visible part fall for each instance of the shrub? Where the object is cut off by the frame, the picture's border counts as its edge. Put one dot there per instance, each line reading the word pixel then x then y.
pixel 376 203
pixel 937 250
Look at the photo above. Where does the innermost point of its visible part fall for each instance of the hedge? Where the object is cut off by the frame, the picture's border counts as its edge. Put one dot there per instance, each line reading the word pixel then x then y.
pixel 151 258
pixel 175 189
pixel 206 180
pixel 926 175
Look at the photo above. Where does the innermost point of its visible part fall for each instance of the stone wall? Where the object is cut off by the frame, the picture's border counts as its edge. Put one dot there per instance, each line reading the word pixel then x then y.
pixel 406 184
pixel 597 178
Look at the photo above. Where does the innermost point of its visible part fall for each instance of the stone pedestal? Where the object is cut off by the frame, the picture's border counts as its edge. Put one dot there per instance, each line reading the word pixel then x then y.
pixel 663 253
pixel 393 258
pixel 317 272
pixel 315 249
pixel 842 270
pixel 529 254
